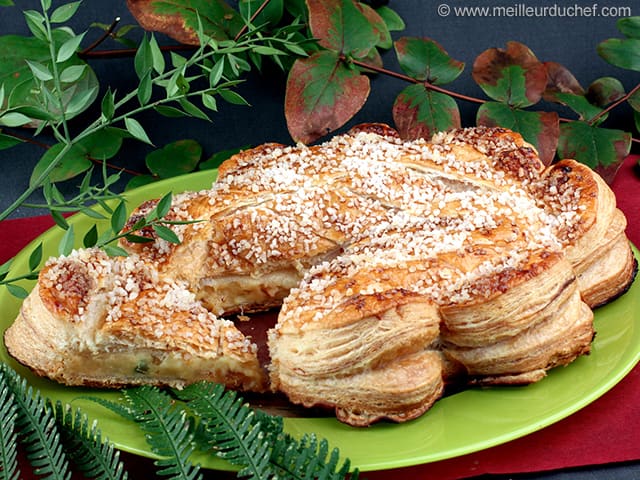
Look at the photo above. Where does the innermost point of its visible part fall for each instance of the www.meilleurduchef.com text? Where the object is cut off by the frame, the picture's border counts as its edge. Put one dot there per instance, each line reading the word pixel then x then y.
pixel 528 10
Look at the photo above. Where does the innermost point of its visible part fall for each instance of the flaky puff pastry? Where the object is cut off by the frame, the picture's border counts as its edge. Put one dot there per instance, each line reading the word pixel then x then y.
pixel 400 266
pixel 109 322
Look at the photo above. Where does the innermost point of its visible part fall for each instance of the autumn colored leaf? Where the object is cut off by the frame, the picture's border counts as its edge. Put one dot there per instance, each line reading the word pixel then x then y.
pixel 341 26
pixel 378 25
pixel 602 149
pixel 560 80
pixel 425 60
pixel 322 94
pixel 541 129
pixel 604 91
pixel 513 75
pixel 419 112
pixel 179 18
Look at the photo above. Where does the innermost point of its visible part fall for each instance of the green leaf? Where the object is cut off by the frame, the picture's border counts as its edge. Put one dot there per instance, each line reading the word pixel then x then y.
pixel 7 141
pixel 580 105
pixel 73 162
pixel 143 60
pixel 14 119
pixel 145 88
pixel 215 160
pixel 108 104
pixel 541 129
pixel 419 112
pixel 72 73
pixel 209 101
pixel 103 144
pixel 64 12
pixel 216 72
pixel 163 205
pixel 139 181
pixel 192 110
pixel 91 237
pixel 66 242
pixel 17 291
pixel 341 26
pixel 594 146
pixel 322 95
pixel 157 58
pixel 629 27
pixel 166 233
pixel 394 22
pixel 425 60
pixel 35 22
pixel 81 101
pixel 232 97
pixel 59 219
pixel 26 89
pixel 35 258
pixel 170 112
pixel 137 130
pixel 512 75
pixel 174 159
pixel 119 217
pixel 6 3
pixel 114 251
pixel 623 53
pixel 40 71
pixel 69 48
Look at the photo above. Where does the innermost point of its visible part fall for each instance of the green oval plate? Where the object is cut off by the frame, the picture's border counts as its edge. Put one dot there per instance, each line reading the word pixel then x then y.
pixel 458 424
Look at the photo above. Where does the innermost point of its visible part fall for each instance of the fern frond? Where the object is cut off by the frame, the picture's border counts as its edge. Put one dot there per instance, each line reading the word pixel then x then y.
pixel 8 447
pixel 36 424
pixel 231 427
pixel 306 459
pixel 84 445
pixel 167 428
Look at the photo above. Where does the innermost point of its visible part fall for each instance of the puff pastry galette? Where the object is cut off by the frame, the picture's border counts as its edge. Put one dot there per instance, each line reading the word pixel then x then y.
pixel 399 267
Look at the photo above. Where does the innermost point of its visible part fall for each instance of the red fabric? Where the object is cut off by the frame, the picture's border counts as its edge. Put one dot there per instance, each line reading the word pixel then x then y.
pixel 604 432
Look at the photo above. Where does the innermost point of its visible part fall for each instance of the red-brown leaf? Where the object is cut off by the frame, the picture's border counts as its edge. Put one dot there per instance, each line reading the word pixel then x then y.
pixel 560 80
pixel 178 19
pixel 322 95
pixel 492 68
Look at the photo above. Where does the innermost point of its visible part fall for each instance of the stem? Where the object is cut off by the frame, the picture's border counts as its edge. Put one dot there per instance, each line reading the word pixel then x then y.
pixel 107 33
pixel 130 52
pixel 406 78
pixel 245 27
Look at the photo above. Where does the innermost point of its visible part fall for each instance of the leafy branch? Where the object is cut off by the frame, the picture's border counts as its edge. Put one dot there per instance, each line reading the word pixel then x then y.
pixel 218 65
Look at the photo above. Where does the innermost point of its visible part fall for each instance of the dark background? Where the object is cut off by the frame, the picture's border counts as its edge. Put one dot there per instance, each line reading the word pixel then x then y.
pixel 569 40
